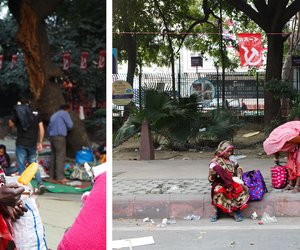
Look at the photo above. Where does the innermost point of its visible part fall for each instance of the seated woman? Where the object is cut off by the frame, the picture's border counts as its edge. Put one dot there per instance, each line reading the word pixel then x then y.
pixel 227 195
pixel 5 162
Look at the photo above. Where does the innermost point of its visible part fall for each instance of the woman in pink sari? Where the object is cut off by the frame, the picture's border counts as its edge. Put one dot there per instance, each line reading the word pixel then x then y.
pixel 285 138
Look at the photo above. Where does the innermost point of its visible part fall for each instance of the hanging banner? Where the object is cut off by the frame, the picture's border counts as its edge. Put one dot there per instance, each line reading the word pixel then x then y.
pixel 1 61
pixel 101 59
pixel 66 60
pixel 83 59
pixel 14 60
pixel 250 47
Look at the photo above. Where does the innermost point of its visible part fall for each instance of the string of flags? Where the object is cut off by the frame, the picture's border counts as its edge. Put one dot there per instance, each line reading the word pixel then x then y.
pixel 66 63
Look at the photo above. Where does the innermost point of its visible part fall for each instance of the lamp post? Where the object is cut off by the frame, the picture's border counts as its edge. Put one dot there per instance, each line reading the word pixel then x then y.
pixel 222 55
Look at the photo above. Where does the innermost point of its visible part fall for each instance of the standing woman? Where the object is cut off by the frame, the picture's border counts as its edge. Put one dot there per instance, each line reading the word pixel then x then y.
pixel 227 195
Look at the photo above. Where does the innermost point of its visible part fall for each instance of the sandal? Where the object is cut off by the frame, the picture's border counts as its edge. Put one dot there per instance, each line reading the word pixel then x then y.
pixel 237 216
pixel 213 218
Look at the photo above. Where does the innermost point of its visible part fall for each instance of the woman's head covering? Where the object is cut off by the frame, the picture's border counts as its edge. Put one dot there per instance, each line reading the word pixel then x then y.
pixel 223 147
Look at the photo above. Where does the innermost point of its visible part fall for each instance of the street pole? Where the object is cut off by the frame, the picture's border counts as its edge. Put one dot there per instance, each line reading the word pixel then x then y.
pixel 222 56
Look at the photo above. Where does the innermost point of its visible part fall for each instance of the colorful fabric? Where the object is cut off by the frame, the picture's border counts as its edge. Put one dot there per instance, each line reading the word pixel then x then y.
pixel 226 194
pixel 89 228
pixel 255 183
pixel 279 141
pixel 279 176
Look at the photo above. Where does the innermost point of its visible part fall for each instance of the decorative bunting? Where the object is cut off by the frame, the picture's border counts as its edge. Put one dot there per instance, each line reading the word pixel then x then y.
pixel 83 59
pixel 14 60
pixel 250 46
pixel 66 60
pixel 1 61
pixel 101 59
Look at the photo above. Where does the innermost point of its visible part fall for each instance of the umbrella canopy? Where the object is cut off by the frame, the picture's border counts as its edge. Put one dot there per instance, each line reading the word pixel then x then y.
pixel 280 138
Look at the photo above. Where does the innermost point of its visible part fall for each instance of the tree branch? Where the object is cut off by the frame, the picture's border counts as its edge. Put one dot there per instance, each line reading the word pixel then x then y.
pixel 257 17
pixel 291 10
pixel 44 8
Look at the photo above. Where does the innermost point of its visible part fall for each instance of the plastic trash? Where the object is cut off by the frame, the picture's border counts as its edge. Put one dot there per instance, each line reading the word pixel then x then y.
pixel 192 217
pixel 254 216
pixel 146 219
pixel 171 221
pixel 266 218
pixel 164 221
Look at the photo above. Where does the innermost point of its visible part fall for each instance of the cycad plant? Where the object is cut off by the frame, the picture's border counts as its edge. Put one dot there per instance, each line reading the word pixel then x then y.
pixel 179 123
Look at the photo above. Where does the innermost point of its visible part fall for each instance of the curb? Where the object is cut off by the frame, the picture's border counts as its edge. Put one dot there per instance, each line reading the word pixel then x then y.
pixel 279 204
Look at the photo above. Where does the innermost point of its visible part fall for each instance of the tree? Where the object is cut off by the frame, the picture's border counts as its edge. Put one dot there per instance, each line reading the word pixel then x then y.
pixel 44 76
pixel 271 16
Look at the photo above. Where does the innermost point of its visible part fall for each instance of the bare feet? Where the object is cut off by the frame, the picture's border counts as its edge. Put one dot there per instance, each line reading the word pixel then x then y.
pixel 63 181
pixel 288 187
pixel 296 189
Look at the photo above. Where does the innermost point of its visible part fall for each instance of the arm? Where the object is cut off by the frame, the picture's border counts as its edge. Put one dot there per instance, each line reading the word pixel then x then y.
pixel 68 121
pixel 11 124
pixel 41 136
pixel 226 178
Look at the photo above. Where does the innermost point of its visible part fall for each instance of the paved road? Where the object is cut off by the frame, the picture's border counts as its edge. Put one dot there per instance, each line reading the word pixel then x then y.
pixel 202 234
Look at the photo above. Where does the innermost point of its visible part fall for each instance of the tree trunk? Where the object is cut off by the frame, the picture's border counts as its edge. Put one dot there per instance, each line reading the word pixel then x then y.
pixel 131 50
pixel 273 71
pixel 130 43
pixel 42 73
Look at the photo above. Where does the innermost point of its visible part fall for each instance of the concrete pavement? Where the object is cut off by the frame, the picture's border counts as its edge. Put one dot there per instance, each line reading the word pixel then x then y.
pixel 176 188
pixel 58 212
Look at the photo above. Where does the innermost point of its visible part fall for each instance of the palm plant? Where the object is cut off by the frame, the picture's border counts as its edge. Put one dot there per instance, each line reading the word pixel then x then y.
pixel 179 123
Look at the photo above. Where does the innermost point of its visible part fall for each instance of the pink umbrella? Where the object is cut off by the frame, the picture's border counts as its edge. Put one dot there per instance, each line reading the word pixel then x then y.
pixel 284 138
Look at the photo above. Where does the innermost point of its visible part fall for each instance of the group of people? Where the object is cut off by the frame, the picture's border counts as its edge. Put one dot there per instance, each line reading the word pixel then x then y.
pixel 30 136
pixel 29 142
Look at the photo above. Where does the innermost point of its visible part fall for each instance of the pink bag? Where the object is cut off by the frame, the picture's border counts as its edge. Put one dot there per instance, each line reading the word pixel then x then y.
pixel 279 176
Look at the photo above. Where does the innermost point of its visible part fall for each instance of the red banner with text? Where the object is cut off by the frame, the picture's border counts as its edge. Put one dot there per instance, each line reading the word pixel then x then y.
pixel 66 60
pixel 84 59
pixel 250 47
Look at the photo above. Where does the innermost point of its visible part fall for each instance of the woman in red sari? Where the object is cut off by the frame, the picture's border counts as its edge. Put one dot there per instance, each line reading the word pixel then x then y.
pixel 228 196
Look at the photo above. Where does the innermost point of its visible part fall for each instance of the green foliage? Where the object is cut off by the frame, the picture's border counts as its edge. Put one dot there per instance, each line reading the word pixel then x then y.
pixel 76 26
pixel 294 112
pixel 281 89
pixel 179 125
pixel 96 125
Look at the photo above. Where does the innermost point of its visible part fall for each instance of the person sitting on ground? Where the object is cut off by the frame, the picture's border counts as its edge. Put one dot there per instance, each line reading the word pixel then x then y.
pixel 227 195
pixel 100 154
pixel 5 162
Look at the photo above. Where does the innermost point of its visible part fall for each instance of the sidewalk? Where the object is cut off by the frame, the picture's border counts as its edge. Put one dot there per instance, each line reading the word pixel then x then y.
pixel 176 188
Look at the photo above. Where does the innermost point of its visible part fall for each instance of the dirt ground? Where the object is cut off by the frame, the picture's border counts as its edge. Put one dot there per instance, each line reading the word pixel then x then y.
pixel 250 146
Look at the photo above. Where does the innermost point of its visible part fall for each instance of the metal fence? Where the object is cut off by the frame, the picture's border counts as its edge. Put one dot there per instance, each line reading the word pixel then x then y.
pixel 244 93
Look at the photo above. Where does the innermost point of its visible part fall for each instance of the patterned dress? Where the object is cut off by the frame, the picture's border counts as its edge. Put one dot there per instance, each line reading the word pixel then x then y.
pixel 226 194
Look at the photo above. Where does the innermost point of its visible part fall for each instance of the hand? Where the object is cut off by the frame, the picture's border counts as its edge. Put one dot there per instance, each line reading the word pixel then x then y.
pixel 39 147
pixel 10 194
pixel 239 173
pixel 17 211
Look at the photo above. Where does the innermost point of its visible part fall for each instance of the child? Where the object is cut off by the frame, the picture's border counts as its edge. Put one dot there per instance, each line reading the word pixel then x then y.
pixel 5 161
pixel 100 154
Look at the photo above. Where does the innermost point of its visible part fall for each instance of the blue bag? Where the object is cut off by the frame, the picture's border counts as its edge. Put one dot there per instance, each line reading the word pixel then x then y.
pixel 84 155
pixel 256 184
